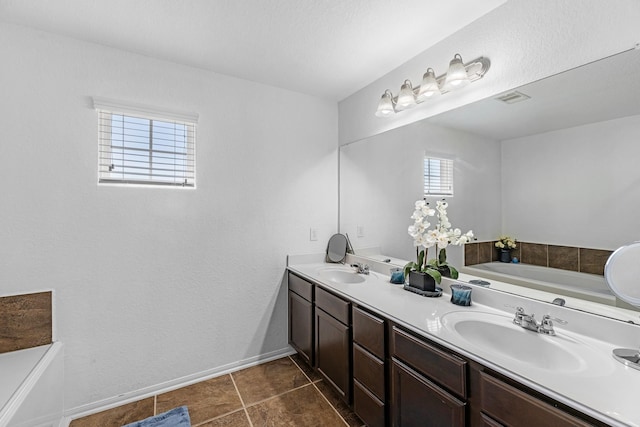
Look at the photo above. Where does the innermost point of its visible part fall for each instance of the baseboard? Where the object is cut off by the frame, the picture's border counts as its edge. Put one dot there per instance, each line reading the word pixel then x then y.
pixel 123 399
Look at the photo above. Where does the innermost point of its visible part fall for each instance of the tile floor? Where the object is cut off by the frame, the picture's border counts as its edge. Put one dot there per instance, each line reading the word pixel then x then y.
pixel 283 392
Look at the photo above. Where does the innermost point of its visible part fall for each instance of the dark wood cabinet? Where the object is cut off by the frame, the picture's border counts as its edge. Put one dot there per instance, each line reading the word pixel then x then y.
pixel 369 332
pixel 301 318
pixel 444 368
pixel 367 406
pixel 509 406
pixel 486 421
pixel 392 375
pixel 428 384
pixel 369 368
pixel 301 326
pixel 419 402
pixel 333 342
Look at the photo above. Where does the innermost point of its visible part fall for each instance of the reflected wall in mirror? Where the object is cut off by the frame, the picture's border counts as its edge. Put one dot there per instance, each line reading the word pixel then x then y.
pixel 382 177
pixel 559 168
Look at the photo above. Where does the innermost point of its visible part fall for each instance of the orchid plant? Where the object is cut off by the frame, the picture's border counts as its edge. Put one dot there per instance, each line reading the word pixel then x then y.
pixel 441 236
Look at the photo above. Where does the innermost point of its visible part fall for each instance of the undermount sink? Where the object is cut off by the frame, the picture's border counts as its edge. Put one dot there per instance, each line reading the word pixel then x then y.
pixel 497 335
pixel 339 275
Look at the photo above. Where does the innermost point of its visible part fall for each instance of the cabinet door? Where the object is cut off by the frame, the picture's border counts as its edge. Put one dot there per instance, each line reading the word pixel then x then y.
pixel 513 407
pixel 367 406
pixel 333 353
pixel 301 326
pixel 419 402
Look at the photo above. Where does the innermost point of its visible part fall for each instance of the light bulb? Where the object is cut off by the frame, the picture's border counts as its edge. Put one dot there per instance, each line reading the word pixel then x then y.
pixel 406 97
pixel 385 106
pixel 429 87
pixel 457 74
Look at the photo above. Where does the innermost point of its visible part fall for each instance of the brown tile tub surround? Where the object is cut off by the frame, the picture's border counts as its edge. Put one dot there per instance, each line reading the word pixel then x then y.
pixel 276 393
pixel 25 321
pixel 584 260
pixel 534 253
pixel 487 252
pixel 564 257
pixel 593 260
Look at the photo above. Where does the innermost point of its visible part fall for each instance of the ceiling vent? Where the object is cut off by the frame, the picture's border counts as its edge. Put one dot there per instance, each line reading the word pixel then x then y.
pixel 513 97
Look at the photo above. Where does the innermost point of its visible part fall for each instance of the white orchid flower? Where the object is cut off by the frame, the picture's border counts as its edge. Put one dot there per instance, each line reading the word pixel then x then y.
pixel 428 243
pixel 443 242
pixel 427 211
pixel 465 238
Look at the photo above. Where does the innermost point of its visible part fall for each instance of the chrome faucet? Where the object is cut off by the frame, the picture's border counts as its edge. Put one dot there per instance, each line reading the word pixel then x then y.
pixel 525 320
pixel 529 322
pixel 546 326
pixel 361 268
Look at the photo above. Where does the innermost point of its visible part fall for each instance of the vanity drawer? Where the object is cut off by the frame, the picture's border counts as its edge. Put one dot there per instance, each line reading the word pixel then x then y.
pixel 446 369
pixel 367 406
pixel 487 421
pixel 513 407
pixel 331 304
pixel 301 287
pixel 368 331
pixel 369 370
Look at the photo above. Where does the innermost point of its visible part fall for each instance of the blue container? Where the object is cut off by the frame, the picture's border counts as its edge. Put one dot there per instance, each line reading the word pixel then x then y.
pixel 397 276
pixel 461 295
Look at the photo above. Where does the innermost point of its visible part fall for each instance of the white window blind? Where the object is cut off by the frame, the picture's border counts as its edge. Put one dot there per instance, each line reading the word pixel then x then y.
pixel 438 177
pixel 145 146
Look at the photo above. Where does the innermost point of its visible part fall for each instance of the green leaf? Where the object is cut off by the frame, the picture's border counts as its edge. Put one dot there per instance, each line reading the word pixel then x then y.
pixel 408 267
pixel 420 259
pixel 453 272
pixel 435 274
pixel 442 257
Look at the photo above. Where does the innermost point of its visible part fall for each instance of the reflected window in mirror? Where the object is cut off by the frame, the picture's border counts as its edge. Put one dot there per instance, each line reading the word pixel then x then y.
pixel 438 177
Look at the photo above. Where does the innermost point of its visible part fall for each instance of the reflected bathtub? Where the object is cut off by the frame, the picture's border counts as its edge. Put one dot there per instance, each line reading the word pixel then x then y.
pixel 591 287
pixel 31 393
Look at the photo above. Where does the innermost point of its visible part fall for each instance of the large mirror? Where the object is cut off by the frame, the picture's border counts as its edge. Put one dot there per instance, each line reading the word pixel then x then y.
pixel 561 167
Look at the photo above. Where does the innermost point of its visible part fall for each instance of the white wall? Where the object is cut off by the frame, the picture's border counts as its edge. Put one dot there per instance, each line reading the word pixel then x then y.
pixel 154 284
pixel 525 41
pixel 381 178
pixel 577 187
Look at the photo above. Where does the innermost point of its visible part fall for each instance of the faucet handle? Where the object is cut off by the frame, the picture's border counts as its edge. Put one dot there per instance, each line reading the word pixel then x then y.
pixel 548 317
pixel 517 319
pixel 546 326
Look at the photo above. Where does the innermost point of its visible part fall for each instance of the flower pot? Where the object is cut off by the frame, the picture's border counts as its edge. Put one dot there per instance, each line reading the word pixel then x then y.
pixel 422 281
pixel 505 255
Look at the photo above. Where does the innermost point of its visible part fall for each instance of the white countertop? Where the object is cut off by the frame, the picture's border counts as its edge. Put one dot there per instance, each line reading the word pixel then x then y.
pixel 604 390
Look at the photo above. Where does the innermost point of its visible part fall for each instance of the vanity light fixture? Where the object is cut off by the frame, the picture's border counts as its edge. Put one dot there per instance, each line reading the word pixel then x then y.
pixel 429 87
pixel 406 97
pixel 385 107
pixel 458 75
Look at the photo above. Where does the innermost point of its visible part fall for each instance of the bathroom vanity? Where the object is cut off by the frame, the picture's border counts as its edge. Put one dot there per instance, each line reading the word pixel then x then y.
pixel 401 359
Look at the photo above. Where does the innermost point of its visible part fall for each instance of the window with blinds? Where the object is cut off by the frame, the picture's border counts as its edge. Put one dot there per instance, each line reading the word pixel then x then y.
pixel 137 146
pixel 438 177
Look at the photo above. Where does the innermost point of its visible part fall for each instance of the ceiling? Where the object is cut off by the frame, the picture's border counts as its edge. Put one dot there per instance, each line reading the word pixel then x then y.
pixel 325 48
pixel 602 90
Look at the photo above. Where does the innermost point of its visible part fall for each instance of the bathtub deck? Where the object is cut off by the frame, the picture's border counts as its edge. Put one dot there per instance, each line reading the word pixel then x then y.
pixel 15 367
